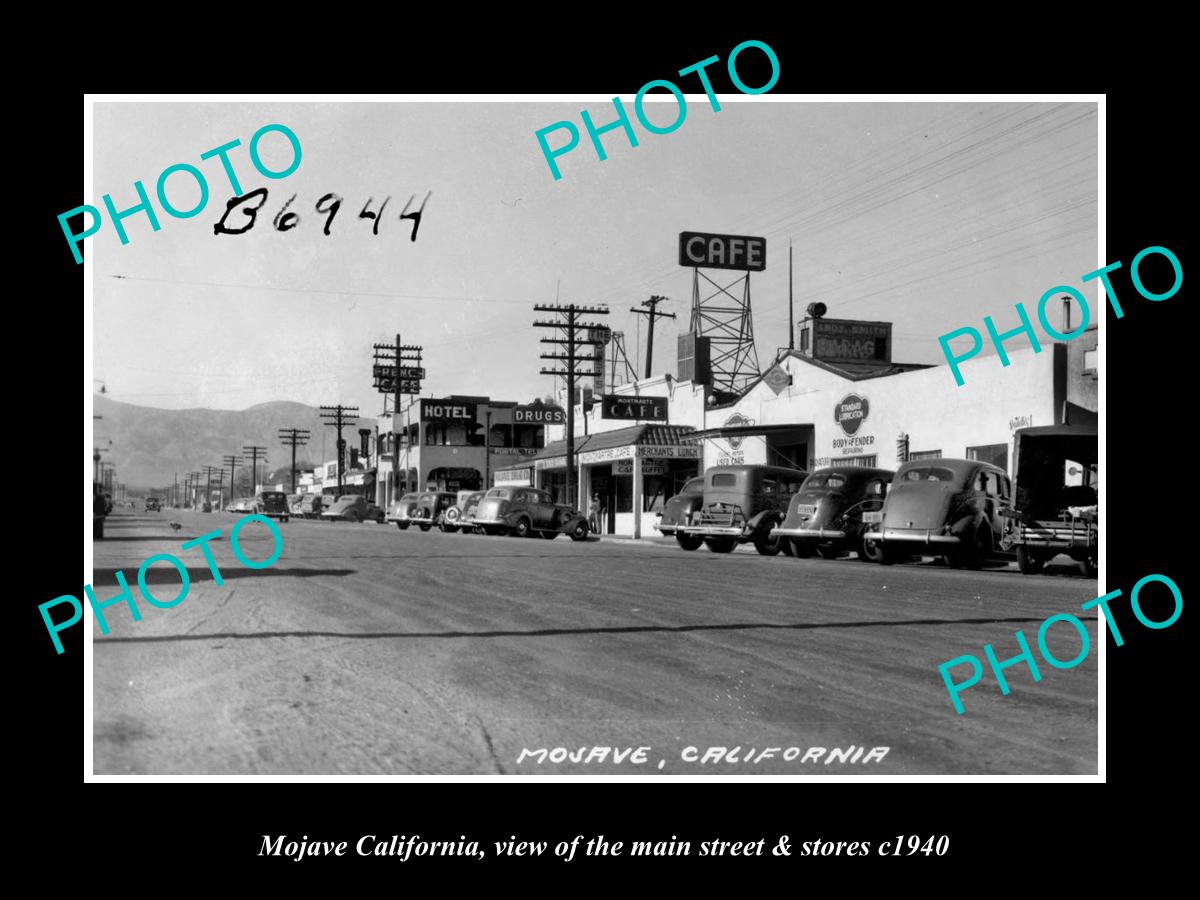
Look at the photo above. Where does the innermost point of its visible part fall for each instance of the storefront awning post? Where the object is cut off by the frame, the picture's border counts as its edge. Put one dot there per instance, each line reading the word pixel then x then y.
pixel 637 496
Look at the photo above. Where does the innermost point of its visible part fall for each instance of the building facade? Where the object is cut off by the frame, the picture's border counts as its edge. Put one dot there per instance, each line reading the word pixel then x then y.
pixel 456 443
pixel 831 403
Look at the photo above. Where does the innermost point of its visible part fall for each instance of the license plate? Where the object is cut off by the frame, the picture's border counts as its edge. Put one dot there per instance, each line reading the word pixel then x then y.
pixel 872 518
pixel 808 511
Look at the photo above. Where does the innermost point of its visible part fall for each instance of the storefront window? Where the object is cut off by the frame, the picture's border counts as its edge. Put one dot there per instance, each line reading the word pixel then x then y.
pixel 996 454
pixel 867 462
pixel 555 482
pixel 655 493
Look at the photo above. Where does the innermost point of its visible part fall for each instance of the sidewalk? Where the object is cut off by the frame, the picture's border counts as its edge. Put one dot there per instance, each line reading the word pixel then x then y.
pixel 630 539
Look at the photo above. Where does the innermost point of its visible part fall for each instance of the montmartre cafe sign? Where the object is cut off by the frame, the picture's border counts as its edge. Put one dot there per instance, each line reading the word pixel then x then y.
pixel 610 454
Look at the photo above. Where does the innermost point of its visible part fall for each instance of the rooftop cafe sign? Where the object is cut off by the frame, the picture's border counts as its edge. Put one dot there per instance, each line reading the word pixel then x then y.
pixel 722 251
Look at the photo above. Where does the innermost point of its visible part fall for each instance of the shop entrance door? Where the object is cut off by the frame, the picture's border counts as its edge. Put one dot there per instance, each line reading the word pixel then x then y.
pixel 602 484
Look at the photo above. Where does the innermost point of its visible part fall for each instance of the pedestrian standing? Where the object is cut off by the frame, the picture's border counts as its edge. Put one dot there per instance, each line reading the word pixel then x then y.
pixel 594 512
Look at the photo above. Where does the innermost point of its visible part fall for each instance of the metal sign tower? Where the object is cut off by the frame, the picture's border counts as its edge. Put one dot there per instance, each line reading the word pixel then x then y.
pixel 724 316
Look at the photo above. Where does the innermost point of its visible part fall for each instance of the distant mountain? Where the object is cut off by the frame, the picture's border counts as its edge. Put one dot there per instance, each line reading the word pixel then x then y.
pixel 150 445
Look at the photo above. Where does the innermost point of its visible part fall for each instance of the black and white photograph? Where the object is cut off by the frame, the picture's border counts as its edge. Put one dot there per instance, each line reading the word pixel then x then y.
pixel 684 435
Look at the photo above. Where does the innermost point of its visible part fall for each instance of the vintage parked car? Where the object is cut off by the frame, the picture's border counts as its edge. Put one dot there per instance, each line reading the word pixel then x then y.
pixel 949 507
pixel 353 508
pixel 453 514
pixel 679 508
pixel 153 504
pixel 310 506
pixel 741 504
pixel 273 504
pixel 243 506
pixel 470 506
pixel 523 511
pixel 1055 505
pixel 429 508
pixel 833 510
pixel 401 510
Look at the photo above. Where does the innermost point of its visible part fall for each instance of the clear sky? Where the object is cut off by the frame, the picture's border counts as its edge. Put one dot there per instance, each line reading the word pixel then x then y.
pixel 928 215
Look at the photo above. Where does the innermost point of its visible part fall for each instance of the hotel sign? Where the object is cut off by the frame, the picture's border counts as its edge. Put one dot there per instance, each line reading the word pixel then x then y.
pixel 447 411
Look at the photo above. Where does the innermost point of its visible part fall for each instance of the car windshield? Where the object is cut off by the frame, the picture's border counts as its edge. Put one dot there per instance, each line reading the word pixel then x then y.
pixel 498 492
pixel 829 480
pixel 928 473
pixel 724 479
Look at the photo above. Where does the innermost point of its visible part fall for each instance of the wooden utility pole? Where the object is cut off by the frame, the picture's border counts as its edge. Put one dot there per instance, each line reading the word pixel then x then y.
pixel 791 310
pixel 208 474
pixel 567 325
pixel 651 313
pixel 406 379
pixel 233 461
pixel 256 453
pixel 338 417
pixel 294 437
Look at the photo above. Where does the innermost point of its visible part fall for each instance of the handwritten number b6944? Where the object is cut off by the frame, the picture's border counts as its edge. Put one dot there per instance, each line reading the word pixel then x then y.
pixel 241 213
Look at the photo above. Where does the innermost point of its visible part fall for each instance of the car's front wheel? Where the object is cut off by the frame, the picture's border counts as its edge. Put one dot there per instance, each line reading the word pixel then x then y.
pixel 401 525
pixel 688 541
pixel 870 550
pixel 580 531
pixel 768 543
